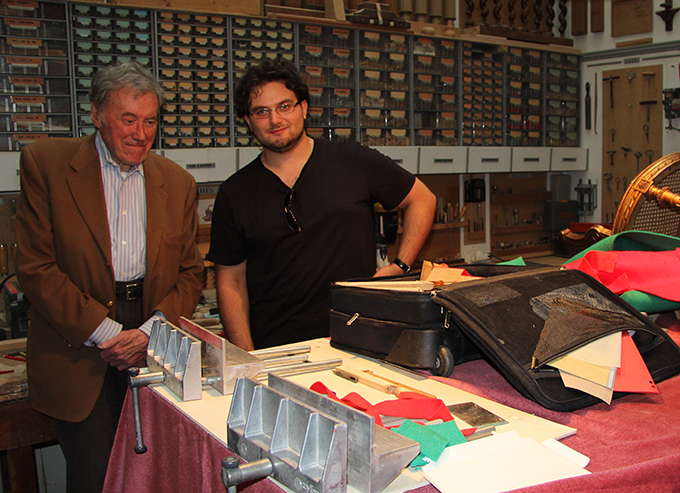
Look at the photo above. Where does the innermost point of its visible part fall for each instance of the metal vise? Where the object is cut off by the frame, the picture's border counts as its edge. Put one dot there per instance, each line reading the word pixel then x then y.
pixel 188 357
pixel 309 442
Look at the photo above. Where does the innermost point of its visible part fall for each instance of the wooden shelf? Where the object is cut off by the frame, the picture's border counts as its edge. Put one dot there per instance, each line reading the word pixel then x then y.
pixel 518 228
pixel 528 251
pixel 503 198
pixel 437 227
pixel 440 227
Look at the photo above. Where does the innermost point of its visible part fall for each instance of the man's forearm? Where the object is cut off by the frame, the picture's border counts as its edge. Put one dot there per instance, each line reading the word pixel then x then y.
pixel 232 297
pixel 417 222
pixel 234 315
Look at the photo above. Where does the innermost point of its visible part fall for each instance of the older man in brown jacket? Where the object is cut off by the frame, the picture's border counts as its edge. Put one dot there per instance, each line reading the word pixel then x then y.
pixel 106 232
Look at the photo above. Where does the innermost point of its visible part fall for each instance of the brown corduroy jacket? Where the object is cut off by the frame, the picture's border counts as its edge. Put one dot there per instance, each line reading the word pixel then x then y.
pixel 65 268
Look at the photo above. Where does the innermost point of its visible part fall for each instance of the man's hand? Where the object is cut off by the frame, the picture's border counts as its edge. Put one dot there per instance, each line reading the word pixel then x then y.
pixel 388 270
pixel 125 350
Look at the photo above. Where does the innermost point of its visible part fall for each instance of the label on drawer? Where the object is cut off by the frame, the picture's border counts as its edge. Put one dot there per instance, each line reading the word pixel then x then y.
pixel 26 43
pixel 23 24
pixel 26 103
pixel 22 4
pixel 313 30
pixel 26 81
pixel 20 61
pixel 28 138
pixel 343 34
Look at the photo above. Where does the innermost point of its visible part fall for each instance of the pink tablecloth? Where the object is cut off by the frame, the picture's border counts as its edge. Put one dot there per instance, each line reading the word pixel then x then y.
pixel 182 457
pixel 634 444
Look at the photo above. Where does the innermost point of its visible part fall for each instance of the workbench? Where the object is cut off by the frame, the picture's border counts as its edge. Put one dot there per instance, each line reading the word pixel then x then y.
pixel 633 444
pixel 21 428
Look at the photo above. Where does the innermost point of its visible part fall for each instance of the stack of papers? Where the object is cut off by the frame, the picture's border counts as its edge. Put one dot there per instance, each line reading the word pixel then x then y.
pixel 612 363
pixel 443 274
pixel 503 462
pixel 431 275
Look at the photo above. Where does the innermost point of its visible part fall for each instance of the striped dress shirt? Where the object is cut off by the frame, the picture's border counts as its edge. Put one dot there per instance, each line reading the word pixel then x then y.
pixel 125 196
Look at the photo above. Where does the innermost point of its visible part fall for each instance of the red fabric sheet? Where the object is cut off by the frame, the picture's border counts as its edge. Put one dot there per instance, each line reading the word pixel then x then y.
pixel 650 272
pixel 634 444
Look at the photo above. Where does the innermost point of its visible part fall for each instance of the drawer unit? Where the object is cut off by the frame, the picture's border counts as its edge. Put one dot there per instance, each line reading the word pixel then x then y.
pixel 205 164
pixel 569 159
pixel 530 159
pixel 247 154
pixel 9 170
pixel 442 159
pixel 489 159
pixel 406 157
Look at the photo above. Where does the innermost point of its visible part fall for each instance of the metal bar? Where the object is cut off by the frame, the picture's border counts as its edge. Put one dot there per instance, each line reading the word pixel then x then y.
pixel 300 368
pixel 276 352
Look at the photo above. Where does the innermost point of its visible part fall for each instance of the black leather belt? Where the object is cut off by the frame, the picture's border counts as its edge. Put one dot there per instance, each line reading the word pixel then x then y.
pixel 129 290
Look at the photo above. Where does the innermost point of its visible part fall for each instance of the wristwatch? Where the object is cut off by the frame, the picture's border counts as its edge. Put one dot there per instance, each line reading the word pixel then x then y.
pixel 402 265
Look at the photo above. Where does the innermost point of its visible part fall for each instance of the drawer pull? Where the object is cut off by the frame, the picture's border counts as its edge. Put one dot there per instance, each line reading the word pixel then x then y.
pixel 201 165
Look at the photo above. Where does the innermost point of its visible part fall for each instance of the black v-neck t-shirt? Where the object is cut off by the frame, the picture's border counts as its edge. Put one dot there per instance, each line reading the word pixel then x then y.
pixel 289 273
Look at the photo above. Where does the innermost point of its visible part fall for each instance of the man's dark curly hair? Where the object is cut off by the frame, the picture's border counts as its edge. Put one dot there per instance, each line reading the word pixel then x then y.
pixel 268 71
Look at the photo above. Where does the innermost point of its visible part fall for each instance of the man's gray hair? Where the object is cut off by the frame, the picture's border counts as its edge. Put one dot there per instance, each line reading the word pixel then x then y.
pixel 123 75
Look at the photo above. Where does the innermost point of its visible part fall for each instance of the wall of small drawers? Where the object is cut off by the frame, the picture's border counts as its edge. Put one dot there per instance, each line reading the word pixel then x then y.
pixel 380 88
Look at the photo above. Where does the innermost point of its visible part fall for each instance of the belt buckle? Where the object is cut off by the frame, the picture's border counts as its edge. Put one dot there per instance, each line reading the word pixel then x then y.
pixel 130 291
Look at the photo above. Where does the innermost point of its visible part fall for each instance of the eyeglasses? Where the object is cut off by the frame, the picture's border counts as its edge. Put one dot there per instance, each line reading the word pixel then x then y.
pixel 293 223
pixel 263 112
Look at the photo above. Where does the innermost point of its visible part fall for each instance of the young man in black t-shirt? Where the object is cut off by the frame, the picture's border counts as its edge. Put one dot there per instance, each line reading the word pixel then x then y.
pixel 300 216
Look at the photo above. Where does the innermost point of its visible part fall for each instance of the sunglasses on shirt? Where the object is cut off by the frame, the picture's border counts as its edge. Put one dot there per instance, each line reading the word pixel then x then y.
pixel 291 219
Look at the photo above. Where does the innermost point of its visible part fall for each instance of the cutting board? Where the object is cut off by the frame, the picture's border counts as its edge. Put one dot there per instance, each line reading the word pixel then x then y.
pixel 631 17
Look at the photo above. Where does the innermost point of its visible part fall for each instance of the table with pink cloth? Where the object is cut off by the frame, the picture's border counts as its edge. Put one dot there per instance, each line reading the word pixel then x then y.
pixel 633 444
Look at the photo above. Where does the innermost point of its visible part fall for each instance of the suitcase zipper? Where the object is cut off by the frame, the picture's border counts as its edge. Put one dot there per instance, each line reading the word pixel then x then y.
pixel 351 320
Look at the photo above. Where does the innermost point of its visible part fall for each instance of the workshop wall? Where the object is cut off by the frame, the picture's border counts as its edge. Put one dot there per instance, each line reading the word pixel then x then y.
pixel 648 49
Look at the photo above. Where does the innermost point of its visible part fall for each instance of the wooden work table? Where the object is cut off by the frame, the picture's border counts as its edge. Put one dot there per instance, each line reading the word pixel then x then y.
pixel 21 428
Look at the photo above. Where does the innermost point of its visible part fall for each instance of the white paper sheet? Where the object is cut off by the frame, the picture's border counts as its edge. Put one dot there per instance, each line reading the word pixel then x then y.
pixel 502 462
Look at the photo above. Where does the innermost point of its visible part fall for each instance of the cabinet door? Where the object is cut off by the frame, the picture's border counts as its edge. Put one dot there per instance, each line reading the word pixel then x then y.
pixel 406 157
pixel 530 159
pixel 442 159
pixel 569 159
pixel 247 154
pixel 206 164
pixel 489 159
pixel 9 171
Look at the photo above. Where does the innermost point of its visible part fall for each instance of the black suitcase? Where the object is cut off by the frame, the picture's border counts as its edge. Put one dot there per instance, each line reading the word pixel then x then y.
pixel 404 328
pixel 521 321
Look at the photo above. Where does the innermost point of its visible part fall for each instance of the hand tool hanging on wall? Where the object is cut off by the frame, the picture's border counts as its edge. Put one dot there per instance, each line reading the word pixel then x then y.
pixel 668 14
pixel 611 88
pixel 650 155
pixel 625 150
pixel 648 76
pixel 645 126
pixel 588 120
pixel 637 155
pixel 611 157
pixel 595 108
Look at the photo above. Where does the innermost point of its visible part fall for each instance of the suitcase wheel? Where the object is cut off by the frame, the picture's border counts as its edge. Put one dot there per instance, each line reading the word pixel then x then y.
pixel 443 362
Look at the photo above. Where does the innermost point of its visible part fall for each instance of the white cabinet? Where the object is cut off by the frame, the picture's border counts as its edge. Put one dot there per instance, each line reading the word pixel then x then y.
pixel 489 159
pixel 247 154
pixel 442 159
pixel 530 159
pixel 9 171
pixel 206 164
pixel 569 159
pixel 406 156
